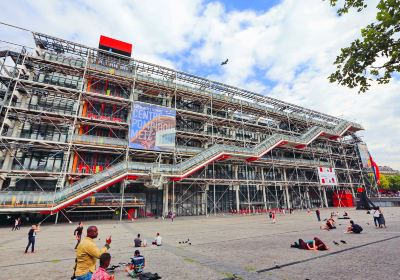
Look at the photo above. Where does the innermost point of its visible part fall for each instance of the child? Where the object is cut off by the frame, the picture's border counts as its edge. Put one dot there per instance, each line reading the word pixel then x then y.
pixel 101 273
pixel 136 266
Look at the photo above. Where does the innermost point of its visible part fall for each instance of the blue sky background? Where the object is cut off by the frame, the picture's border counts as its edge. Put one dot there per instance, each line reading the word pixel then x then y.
pixel 284 49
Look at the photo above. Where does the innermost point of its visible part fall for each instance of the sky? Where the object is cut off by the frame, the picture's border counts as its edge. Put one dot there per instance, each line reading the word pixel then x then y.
pixel 283 49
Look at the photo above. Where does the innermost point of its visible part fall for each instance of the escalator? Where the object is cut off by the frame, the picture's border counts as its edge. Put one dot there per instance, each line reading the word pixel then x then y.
pixel 51 202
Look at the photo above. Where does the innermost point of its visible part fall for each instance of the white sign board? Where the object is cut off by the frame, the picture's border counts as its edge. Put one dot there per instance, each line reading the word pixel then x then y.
pixel 327 176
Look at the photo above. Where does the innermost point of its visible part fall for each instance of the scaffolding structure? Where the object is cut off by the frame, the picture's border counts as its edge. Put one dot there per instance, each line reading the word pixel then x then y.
pixel 64 135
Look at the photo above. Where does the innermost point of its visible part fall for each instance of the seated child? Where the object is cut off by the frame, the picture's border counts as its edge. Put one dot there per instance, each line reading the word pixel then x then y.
pixel 137 265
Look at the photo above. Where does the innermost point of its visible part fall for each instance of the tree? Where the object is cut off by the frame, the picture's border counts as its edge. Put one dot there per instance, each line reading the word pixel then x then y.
pixel 375 57
pixel 384 182
pixel 394 182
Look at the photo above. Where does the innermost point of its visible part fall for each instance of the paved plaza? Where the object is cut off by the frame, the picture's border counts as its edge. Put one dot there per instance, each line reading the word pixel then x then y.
pixel 248 246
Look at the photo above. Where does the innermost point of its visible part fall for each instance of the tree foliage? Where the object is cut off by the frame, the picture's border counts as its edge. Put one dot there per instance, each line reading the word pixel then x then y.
pixel 374 57
pixel 394 182
pixel 384 182
pixel 388 182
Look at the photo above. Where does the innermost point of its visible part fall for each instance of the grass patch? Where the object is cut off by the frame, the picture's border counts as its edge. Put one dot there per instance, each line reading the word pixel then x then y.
pixel 250 268
pixel 232 276
pixel 189 260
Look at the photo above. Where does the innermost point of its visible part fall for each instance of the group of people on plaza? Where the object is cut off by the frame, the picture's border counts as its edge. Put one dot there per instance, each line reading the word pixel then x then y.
pixel 87 254
pixel 330 224
pixel 87 251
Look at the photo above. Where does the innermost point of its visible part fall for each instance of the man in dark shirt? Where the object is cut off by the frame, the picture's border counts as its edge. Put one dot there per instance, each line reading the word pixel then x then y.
pixel 354 228
pixel 32 237
pixel 78 233
pixel 138 241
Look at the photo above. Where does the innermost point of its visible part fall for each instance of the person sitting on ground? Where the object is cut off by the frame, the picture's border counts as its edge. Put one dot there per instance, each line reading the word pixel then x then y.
pixel 330 224
pixel 345 216
pixel 138 241
pixel 157 240
pixel 137 265
pixel 101 272
pixel 354 228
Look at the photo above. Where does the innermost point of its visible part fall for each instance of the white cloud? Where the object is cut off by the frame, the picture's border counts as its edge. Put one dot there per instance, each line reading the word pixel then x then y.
pixel 292 44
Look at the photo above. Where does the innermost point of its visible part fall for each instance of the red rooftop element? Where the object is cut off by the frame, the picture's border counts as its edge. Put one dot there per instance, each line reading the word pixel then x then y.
pixel 115 44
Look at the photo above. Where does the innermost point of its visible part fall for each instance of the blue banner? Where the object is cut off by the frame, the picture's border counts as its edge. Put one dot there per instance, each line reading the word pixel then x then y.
pixel 152 127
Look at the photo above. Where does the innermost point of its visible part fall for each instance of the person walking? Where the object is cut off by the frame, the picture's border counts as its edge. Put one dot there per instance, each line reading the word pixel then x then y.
pixel 318 213
pixel 19 224
pixel 78 234
pixel 376 214
pixel 15 225
pixel 171 215
pixel 273 217
pixel 87 254
pixel 32 238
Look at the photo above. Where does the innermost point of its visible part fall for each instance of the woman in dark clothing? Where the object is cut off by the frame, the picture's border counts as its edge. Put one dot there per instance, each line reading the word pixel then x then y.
pixel 78 233
pixel 32 237
pixel 381 219
pixel 320 245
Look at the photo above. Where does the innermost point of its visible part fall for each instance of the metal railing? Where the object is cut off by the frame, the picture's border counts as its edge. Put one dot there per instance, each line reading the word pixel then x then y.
pixel 98 140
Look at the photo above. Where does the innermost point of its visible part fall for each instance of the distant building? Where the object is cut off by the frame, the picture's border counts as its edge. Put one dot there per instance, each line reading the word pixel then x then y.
pixel 386 170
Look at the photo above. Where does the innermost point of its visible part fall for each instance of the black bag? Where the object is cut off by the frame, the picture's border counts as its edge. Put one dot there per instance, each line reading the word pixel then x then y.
pixel 149 276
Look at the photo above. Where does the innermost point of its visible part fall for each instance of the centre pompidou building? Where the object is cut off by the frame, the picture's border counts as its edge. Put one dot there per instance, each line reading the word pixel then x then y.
pixel 92 132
